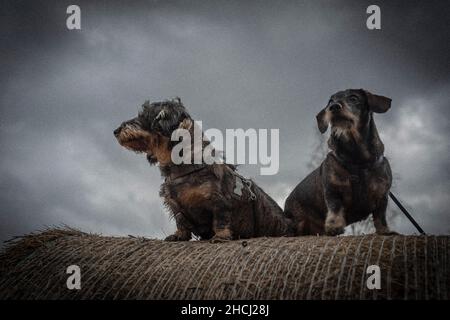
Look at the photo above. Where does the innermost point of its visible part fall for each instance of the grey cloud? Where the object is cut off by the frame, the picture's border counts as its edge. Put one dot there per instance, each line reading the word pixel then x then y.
pixel 235 65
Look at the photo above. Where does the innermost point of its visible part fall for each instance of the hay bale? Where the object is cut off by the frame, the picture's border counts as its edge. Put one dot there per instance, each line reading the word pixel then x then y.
pixel 412 267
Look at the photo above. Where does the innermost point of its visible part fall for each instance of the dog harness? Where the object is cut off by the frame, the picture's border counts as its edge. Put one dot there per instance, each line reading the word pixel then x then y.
pixel 196 168
pixel 359 167
pixel 240 181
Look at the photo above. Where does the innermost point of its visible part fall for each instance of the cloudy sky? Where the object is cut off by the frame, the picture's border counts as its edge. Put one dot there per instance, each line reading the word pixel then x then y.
pixel 252 64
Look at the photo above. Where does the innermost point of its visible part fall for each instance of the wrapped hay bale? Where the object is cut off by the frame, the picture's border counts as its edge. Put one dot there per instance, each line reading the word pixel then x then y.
pixel 412 267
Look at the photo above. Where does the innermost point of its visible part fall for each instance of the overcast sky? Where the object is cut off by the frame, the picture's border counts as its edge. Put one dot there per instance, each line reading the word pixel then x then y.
pixel 243 64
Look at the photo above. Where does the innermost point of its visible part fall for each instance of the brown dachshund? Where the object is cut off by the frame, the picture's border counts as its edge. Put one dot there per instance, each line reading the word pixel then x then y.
pixel 354 179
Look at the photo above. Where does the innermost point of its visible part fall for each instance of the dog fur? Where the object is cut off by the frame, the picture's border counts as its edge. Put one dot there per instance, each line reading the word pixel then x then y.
pixel 354 179
pixel 201 198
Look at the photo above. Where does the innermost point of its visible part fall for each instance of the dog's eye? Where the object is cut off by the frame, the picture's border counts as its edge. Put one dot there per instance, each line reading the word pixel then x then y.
pixel 353 98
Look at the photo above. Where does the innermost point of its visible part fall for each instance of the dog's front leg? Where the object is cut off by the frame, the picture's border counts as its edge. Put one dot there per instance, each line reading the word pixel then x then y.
pixel 335 220
pixel 183 233
pixel 221 225
pixel 379 218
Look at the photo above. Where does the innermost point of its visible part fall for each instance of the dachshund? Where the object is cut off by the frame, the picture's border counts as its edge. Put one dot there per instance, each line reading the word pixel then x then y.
pixel 210 201
pixel 354 179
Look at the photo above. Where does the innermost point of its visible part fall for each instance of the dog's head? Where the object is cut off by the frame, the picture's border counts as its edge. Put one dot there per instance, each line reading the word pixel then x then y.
pixel 351 109
pixel 151 130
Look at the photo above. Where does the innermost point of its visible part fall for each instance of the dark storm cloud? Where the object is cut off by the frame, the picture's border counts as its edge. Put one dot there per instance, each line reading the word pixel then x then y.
pixel 235 65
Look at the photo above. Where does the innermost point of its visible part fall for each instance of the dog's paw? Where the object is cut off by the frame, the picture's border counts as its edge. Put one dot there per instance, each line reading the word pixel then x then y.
pixel 335 224
pixel 222 235
pixel 177 237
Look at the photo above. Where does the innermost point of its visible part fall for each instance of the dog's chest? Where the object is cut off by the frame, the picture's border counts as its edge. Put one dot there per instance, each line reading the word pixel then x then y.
pixel 366 190
pixel 191 196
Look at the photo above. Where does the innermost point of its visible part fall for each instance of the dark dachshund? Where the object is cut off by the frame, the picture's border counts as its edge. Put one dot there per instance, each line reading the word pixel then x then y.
pixel 210 201
pixel 354 179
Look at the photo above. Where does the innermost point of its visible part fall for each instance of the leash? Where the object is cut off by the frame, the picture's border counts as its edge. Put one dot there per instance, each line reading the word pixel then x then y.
pixel 406 213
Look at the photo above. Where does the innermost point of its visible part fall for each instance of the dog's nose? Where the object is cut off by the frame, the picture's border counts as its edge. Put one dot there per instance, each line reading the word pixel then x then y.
pixel 335 107
pixel 117 131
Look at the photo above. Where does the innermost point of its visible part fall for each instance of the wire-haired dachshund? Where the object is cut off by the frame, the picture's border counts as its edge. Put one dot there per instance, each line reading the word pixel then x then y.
pixel 354 179
pixel 211 201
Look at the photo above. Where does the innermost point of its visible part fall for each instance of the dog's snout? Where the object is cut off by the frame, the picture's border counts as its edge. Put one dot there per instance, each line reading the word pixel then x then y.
pixel 335 107
pixel 117 131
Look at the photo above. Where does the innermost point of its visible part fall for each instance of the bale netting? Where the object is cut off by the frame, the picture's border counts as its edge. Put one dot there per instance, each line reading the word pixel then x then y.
pixel 412 267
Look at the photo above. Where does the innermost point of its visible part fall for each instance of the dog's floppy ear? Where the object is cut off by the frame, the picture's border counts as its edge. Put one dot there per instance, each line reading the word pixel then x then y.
pixel 163 122
pixel 322 120
pixel 169 119
pixel 376 103
pixel 161 115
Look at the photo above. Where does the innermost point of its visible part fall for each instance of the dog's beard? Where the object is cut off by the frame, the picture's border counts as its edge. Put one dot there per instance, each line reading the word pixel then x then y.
pixel 340 132
pixel 341 126
pixel 134 139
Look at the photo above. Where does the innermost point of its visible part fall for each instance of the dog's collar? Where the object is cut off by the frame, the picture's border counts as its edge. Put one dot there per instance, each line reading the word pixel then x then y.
pixel 180 171
pixel 359 167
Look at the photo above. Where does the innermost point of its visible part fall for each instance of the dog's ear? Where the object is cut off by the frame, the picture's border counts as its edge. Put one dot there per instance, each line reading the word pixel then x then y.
pixel 376 103
pixel 165 122
pixel 186 124
pixel 161 115
pixel 322 120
